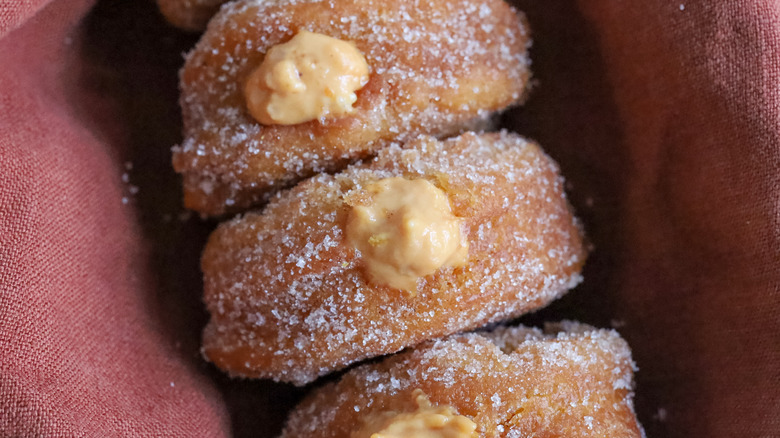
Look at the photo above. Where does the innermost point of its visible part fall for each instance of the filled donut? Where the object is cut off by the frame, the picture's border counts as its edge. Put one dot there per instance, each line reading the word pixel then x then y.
pixel 574 381
pixel 276 91
pixel 189 15
pixel 420 242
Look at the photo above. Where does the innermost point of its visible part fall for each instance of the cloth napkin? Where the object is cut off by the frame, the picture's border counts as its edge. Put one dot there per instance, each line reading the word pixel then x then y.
pixel 665 118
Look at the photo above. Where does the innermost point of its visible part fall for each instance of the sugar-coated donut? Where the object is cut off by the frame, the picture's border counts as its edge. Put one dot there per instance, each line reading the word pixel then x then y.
pixel 291 298
pixel 436 67
pixel 574 381
pixel 190 15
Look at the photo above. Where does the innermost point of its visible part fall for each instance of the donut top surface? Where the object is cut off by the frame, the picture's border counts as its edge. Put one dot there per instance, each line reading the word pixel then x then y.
pixel 290 300
pixel 312 76
pixel 405 230
pixel 571 380
pixel 436 67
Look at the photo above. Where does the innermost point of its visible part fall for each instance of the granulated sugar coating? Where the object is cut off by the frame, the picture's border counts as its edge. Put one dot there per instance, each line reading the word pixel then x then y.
pixel 289 300
pixel 575 381
pixel 437 67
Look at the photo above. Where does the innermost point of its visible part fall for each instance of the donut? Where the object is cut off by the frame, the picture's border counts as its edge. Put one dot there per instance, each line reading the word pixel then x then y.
pixel 572 381
pixel 370 73
pixel 420 242
pixel 189 15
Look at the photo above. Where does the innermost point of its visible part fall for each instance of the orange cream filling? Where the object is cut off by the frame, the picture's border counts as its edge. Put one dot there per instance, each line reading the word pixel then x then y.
pixel 405 230
pixel 312 76
pixel 427 421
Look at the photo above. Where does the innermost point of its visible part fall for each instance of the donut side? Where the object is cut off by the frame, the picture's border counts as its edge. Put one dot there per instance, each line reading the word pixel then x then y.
pixel 573 381
pixel 290 300
pixel 437 67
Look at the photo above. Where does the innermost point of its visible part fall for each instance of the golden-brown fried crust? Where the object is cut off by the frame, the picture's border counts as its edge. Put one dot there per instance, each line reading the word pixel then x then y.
pixel 513 382
pixel 437 67
pixel 289 300
pixel 190 15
